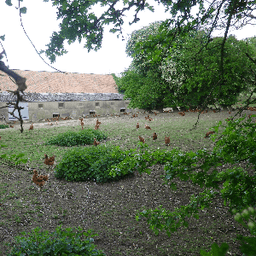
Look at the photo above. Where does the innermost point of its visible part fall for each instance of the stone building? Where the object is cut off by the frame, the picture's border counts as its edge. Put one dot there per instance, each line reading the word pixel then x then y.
pixel 66 94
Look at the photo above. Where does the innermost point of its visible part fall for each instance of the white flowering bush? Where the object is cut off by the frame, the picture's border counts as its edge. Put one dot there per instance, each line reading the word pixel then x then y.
pixel 171 69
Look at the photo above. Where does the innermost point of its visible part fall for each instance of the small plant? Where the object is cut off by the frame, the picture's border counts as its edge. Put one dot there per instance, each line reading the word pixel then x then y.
pixel 16 158
pixel 216 251
pixel 59 242
pixel 71 138
pixel 3 126
pixel 90 163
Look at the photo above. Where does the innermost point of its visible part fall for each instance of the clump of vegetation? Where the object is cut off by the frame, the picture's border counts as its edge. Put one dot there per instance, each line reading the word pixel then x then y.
pixel 59 242
pixel 3 126
pixel 72 138
pixel 90 163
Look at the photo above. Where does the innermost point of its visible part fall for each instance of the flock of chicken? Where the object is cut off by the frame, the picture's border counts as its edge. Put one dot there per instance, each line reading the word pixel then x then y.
pixel 49 161
pixel 147 127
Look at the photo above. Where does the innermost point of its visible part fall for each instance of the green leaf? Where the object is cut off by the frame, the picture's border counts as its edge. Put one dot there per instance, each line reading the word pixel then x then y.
pixel 8 2
pixel 216 251
pixel 23 10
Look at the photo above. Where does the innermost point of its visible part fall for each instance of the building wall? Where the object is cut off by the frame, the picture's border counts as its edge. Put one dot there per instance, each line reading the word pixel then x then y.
pixel 74 109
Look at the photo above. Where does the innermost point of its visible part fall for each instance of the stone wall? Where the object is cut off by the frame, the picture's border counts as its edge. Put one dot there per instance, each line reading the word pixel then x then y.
pixel 46 105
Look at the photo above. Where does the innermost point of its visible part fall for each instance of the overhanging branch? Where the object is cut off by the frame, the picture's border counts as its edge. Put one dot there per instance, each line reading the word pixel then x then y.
pixel 20 81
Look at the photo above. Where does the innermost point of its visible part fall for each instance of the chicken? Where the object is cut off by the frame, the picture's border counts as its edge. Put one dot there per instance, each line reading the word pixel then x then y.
pixel 141 139
pixel 31 127
pixel 11 126
pixel 182 113
pixel 39 180
pixel 96 143
pixel 208 133
pixel 150 119
pixel 137 126
pixel 154 136
pixel 97 124
pixel 49 161
pixel 167 140
pixel 147 127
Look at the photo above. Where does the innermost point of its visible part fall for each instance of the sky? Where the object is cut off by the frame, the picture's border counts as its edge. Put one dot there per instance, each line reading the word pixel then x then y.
pixel 40 21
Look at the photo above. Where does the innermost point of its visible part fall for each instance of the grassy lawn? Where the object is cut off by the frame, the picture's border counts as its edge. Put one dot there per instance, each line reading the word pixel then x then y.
pixel 110 208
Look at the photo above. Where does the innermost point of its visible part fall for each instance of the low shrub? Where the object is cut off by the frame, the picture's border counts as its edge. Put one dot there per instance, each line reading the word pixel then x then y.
pixel 3 126
pixel 90 163
pixel 59 242
pixel 72 138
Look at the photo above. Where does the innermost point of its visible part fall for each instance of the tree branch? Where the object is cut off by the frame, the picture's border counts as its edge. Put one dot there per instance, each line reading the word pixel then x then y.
pixel 20 81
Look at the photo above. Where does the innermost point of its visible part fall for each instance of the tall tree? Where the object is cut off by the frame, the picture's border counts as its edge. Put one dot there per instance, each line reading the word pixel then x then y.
pixel 184 69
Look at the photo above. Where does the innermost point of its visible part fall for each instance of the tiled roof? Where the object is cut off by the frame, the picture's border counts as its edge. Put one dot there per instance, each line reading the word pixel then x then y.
pixel 54 82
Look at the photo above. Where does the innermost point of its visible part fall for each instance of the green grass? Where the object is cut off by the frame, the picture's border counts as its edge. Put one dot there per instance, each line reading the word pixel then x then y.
pixel 120 132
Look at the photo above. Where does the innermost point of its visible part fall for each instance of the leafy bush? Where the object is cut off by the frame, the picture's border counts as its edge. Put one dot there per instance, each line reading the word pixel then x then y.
pixel 90 163
pixel 3 126
pixel 138 159
pixel 238 141
pixel 71 138
pixel 59 242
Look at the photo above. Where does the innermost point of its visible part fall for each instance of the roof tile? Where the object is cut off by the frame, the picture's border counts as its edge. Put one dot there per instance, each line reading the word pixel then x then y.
pixel 54 82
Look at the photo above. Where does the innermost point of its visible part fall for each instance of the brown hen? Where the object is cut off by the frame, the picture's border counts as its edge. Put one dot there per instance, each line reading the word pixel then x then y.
pixel 141 139
pixel 49 160
pixel 39 180
pixel 208 133
pixel 167 140
pixel 96 143
pixel 147 127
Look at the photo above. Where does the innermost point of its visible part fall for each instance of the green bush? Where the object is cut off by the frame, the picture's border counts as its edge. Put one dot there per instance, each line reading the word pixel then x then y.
pixel 60 242
pixel 71 138
pixel 238 141
pixel 90 163
pixel 3 126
